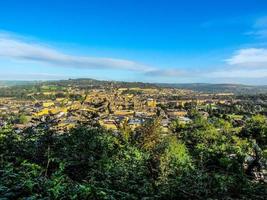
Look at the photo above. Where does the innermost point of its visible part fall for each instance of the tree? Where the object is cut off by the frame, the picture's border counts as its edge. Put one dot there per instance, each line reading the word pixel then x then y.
pixel 175 159
pixel 256 128
pixel 149 134
pixel 23 119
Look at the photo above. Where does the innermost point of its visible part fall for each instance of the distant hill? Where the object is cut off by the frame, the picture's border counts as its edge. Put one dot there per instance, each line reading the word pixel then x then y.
pixel 14 83
pixel 216 88
pixel 83 82
pixel 198 87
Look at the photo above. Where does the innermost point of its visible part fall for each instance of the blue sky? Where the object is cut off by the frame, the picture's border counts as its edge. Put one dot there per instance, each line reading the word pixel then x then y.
pixel 135 40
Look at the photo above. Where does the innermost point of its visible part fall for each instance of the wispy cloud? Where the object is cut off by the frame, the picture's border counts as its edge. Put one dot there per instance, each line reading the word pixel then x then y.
pixel 244 63
pixel 247 63
pixel 19 48
pixel 261 34
pixel 33 76
pixel 165 73
pixel 239 73
pixel 249 57
pixel 259 28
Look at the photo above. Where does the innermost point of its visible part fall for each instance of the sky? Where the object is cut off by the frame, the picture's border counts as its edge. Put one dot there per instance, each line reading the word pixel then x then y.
pixel 167 41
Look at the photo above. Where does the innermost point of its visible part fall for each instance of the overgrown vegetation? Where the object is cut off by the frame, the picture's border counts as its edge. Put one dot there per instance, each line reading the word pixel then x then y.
pixel 205 159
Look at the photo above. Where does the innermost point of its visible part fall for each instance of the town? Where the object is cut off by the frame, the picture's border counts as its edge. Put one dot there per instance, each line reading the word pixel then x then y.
pixel 85 127
pixel 133 100
pixel 112 105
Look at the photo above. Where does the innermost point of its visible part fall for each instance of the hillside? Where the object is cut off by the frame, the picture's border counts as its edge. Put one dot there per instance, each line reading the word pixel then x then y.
pixel 215 88
pixel 198 87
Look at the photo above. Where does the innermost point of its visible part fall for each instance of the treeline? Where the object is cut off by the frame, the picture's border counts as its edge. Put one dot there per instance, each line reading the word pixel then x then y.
pixel 31 92
pixel 37 88
pixel 206 159
pixel 92 83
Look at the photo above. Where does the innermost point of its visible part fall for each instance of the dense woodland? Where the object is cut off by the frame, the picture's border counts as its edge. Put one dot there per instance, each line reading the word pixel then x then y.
pixel 205 159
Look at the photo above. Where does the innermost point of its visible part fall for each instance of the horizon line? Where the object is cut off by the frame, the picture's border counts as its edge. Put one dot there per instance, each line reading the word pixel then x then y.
pixel 168 83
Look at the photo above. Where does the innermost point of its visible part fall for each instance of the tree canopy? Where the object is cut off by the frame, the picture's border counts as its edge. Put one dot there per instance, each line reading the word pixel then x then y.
pixel 203 159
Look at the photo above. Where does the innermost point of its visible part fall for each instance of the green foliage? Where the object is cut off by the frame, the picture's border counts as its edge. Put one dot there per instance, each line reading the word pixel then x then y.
pixel 23 119
pixel 256 128
pixel 23 180
pixel 149 135
pixel 200 160
pixel 175 159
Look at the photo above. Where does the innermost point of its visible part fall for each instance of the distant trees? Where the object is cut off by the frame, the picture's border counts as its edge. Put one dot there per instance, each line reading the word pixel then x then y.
pixel 23 119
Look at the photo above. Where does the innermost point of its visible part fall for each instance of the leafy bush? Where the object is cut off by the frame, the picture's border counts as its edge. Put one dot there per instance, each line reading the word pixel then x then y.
pixel 200 160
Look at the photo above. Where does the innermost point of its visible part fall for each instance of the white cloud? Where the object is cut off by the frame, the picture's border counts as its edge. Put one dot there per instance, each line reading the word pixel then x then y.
pixel 252 60
pixel 250 57
pixel 20 49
